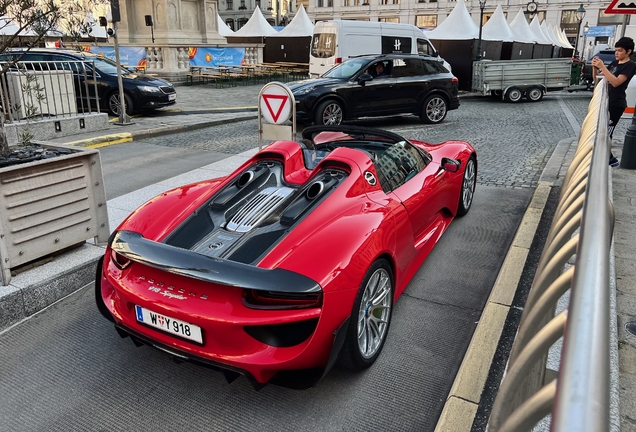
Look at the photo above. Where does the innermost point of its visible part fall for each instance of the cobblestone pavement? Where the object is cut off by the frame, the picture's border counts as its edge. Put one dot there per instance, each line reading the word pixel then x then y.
pixel 514 141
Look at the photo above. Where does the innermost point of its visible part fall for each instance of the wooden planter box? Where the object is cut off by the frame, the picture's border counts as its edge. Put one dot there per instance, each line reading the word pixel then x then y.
pixel 49 205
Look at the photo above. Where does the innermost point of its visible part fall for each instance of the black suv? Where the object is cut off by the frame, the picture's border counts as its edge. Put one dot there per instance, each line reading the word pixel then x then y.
pixel 409 84
pixel 142 92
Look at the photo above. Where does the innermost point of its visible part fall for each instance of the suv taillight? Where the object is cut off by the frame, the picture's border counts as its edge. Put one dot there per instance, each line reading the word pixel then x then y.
pixel 455 80
pixel 338 59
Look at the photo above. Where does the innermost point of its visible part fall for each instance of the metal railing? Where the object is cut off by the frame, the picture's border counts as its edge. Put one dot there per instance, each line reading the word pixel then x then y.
pixel 582 227
pixel 35 90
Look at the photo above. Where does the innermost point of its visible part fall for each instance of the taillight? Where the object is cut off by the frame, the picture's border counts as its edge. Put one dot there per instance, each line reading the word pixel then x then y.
pixel 338 59
pixel 257 299
pixel 455 80
pixel 120 261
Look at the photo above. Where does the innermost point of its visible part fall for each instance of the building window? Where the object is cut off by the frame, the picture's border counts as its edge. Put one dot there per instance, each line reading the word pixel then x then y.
pixel 530 16
pixel 241 22
pixel 329 3
pixel 229 5
pixel 391 20
pixel 569 17
pixel 604 19
pixel 320 3
pixel 258 3
pixel 230 23
pixel 426 21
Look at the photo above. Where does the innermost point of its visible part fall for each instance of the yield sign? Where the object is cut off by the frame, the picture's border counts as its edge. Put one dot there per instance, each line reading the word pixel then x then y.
pixel 275 103
pixel 621 7
pixel 271 101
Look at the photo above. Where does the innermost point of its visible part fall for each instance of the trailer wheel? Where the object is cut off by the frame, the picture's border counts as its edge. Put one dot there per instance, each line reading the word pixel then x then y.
pixel 514 95
pixel 535 94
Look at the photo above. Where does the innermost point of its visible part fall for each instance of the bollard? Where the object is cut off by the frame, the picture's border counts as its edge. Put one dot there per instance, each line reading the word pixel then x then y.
pixel 628 158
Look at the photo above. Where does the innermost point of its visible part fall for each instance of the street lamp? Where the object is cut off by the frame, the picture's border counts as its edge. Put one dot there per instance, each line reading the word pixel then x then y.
pixel 586 28
pixel 482 5
pixel 580 14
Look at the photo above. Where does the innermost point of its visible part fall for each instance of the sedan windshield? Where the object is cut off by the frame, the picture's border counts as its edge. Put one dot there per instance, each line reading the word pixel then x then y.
pixel 107 66
pixel 347 69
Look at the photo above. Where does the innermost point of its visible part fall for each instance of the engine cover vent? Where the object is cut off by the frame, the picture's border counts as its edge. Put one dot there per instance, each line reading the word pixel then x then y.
pixel 258 208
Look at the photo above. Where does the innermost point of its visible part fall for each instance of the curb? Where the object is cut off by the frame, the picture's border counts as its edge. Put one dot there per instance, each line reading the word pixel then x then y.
pixel 22 303
pixel 124 137
pixel 463 399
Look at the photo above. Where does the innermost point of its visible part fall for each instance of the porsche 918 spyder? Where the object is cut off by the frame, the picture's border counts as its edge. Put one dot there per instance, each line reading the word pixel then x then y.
pixel 291 263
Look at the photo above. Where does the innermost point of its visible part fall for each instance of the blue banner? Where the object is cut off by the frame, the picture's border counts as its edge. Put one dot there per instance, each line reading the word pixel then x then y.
pixel 201 56
pixel 129 56
pixel 596 31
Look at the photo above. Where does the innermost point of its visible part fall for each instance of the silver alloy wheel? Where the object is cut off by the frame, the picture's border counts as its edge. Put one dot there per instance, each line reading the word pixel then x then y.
pixel 332 114
pixel 436 109
pixel 113 104
pixel 468 188
pixel 373 316
pixel 514 95
pixel 535 94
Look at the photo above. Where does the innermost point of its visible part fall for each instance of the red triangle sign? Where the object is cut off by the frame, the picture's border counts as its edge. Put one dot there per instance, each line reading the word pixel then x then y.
pixel 621 7
pixel 283 100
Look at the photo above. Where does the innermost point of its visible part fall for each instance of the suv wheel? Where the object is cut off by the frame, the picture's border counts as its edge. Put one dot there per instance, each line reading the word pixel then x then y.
pixel 114 106
pixel 329 113
pixel 434 109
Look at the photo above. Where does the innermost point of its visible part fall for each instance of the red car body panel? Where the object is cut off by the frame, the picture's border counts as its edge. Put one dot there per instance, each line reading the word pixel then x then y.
pixel 333 244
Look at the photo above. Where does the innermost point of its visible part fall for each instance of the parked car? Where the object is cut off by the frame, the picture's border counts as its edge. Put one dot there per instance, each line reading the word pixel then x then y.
pixel 292 262
pixel 412 84
pixel 607 56
pixel 142 92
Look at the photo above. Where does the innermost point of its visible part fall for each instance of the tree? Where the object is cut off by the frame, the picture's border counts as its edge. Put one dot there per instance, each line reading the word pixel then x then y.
pixel 35 20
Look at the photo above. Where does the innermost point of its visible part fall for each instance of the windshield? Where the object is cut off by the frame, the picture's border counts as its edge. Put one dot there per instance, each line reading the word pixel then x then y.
pixel 107 66
pixel 347 69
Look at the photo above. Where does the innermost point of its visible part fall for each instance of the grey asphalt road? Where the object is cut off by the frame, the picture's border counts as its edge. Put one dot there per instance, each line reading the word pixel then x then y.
pixel 67 370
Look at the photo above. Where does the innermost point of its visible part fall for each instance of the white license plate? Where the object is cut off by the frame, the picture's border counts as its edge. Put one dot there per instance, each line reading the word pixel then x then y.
pixel 169 325
pixel 172 96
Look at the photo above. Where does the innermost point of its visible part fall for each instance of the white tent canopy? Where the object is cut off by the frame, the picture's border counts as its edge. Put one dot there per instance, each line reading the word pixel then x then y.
pixel 565 39
pixel 224 30
pixel 521 29
pixel 95 30
pixel 497 28
pixel 301 25
pixel 257 26
pixel 8 28
pixel 536 29
pixel 457 26
pixel 549 32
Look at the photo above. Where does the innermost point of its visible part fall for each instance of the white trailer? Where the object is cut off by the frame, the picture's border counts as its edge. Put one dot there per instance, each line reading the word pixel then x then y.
pixel 513 79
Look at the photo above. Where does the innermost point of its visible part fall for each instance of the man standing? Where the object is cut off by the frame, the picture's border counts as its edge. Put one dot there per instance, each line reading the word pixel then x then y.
pixel 617 74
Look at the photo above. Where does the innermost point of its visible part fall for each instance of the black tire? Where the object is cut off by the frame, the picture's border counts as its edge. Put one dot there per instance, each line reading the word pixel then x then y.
pixel 434 109
pixel 534 94
pixel 114 106
pixel 514 94
pixel 329 112
pixel 368 320
pixel 469 182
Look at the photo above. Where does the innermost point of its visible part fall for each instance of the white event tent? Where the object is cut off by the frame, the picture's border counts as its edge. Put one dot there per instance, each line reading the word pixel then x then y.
pixel 301 25
pixel 458 25
pixel 497 28
pixel 224 30
pixel 256 26
pixel 292 43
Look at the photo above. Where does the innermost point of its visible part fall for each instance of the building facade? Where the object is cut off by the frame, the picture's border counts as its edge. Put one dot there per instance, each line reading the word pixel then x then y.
pixel 428 14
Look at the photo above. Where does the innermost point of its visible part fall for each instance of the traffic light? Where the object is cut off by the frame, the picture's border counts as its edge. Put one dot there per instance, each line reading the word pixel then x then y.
pixel 114 10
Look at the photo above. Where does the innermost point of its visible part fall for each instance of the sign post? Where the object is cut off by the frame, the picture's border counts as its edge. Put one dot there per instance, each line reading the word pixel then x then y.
pixel 276 104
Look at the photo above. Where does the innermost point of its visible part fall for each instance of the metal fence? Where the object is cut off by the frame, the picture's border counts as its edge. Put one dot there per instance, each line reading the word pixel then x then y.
pixel 35 90
pixel 582 227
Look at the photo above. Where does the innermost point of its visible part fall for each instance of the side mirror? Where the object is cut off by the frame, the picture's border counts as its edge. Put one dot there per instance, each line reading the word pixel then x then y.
pixel 364 78
pixel 450 165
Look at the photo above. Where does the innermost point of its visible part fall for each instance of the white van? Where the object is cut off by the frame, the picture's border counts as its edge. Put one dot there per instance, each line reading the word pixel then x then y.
pixel 335 41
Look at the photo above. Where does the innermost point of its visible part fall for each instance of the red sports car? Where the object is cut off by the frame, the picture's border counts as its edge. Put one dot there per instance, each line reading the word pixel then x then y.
pixel 293 261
